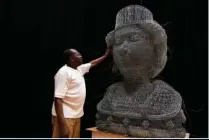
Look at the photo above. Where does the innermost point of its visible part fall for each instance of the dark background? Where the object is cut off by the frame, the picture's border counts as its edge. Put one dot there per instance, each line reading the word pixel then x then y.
pixel 35 33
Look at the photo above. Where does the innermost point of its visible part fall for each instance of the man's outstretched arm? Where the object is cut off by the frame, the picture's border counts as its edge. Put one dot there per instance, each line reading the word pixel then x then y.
pixel 97 61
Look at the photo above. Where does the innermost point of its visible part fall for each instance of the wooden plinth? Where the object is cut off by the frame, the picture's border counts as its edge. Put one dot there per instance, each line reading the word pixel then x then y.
pixel 95 133
pixel 99 134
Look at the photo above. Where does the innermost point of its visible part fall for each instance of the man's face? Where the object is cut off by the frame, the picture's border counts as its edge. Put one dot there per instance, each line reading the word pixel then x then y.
pixel 76 57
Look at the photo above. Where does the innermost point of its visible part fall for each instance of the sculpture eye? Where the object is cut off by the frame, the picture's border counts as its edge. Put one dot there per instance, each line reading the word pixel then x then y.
pixel 147 38
pixel 125 39
pixel 134 38
pixel 118 42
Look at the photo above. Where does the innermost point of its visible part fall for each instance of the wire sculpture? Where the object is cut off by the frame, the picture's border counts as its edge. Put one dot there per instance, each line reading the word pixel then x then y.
pixel 137 106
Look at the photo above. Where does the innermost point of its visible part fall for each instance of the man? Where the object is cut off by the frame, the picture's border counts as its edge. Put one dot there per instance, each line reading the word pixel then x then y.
pixel 70 93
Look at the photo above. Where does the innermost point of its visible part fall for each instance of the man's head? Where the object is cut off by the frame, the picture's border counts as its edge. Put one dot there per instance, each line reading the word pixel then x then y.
pixel 72 58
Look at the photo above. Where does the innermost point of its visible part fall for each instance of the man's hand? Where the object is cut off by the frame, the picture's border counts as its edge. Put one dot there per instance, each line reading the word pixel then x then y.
pixel 64 131
pixel 102 58
pixel 108 51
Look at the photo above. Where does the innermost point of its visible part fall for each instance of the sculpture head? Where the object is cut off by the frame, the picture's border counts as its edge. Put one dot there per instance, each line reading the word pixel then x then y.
pixel 139 43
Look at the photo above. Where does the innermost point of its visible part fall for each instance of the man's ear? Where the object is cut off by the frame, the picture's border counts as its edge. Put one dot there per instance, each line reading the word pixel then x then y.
pixel 71 59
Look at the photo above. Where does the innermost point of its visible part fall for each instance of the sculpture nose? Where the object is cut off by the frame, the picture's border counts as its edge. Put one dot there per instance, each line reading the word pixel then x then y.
pixel 126 50
pixel 125 47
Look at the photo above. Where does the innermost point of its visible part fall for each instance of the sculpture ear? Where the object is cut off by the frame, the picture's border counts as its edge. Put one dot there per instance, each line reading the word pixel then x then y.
pixel 160 51
pixel 158 39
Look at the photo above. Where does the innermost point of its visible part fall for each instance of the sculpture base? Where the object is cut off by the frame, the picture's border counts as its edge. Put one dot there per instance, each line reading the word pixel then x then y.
pixel 95 133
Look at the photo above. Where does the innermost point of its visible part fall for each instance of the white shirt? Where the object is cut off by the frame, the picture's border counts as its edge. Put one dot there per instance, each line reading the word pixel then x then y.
pixel 70 86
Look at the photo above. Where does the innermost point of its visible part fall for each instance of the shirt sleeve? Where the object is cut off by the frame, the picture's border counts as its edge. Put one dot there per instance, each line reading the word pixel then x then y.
pixel 60 86
pixel 84 68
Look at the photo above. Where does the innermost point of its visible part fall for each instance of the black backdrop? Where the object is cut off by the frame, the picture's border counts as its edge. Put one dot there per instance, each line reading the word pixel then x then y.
pixel 35 33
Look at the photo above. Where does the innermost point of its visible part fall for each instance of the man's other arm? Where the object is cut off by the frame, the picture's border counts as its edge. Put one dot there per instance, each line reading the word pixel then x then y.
pixel 60 91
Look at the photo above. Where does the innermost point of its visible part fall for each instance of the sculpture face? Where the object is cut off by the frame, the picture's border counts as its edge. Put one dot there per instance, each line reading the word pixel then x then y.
pixel 132 51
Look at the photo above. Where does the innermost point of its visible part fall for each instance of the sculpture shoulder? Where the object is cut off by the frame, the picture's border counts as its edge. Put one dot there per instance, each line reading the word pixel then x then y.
pixel 164 102
pixel 163 90
pixel 114 88
pixel 105 105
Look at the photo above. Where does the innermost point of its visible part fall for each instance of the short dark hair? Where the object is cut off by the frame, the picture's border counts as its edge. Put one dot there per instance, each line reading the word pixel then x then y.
pixel 66 55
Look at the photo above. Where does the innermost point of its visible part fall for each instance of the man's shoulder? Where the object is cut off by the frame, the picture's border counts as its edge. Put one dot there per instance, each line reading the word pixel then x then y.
pixel 63 71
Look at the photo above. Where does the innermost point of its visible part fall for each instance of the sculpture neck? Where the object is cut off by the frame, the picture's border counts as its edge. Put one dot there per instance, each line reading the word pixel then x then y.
pixel 135 83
